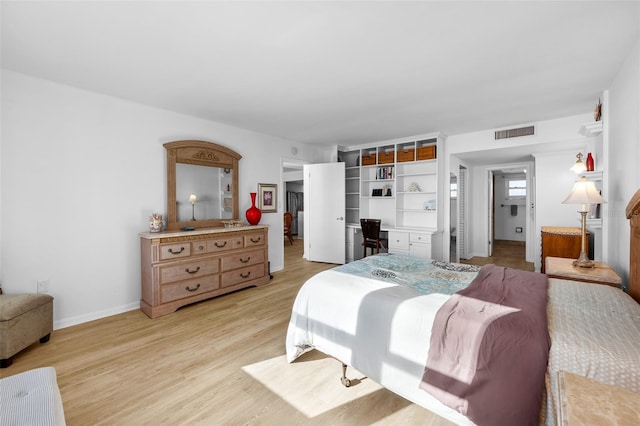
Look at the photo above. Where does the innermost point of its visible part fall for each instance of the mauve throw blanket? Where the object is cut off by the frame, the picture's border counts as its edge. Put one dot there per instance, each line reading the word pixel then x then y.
pixel 490 347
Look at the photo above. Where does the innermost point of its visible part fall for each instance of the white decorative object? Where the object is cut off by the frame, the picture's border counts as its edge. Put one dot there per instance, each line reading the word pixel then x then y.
pixel 232 223
pixel 413 187
pixel 155 222
pixel 430 205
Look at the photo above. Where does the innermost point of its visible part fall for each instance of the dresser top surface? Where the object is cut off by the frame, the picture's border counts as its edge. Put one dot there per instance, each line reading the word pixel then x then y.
pixel 563 267
pixel 569 230
pixel 200 231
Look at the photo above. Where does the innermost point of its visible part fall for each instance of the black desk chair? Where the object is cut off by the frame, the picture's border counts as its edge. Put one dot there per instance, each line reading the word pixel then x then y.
pixel 371 235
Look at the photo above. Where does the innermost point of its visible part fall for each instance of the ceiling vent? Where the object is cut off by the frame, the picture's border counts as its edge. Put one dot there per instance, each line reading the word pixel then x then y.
pixel 515 133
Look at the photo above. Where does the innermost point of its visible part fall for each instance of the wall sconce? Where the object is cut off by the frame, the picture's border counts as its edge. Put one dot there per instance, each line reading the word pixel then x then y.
pixel 584 193
pixel 579 166
pixel 192 200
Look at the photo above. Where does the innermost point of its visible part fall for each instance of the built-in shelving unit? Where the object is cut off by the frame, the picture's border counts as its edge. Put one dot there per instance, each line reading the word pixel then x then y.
pixel 591 129
pixel 594 218
pixel 352 185
pixel 597 223
pixel 396 182
pixel 417 203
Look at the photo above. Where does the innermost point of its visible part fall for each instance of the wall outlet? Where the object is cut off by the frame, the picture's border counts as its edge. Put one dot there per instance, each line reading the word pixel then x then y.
pixel 42 286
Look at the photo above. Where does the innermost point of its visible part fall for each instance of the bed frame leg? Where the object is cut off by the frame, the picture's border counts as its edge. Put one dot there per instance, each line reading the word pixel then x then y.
pixel 346 382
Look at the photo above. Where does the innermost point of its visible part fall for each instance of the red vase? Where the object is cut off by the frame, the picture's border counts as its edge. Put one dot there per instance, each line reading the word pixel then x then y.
pixel 590 165
pixel 253 213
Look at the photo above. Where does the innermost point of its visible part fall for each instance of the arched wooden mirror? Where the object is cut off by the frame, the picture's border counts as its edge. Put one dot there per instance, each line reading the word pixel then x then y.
pixel 202 184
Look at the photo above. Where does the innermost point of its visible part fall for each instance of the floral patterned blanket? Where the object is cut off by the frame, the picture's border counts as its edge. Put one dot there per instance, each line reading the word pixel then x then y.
pixel 426 276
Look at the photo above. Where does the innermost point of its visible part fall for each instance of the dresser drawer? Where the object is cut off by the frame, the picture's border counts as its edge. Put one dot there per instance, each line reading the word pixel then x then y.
pixel 198 247
pixel 175 251
pixel 420 237
pixel 398 240
pixel 243 274
pixel 192 287
pixel 224 244
pixel 253 240
pixel 239 260
pixel 187 270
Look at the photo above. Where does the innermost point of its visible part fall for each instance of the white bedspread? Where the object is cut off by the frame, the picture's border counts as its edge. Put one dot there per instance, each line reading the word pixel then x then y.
pixel 381 329
pixel 595 333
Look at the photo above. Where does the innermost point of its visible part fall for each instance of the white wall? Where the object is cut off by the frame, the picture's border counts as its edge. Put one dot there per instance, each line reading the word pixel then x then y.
pixel 559 138
pixel 552 189
pixel 623 158
pixel 80 175
pixel 551 132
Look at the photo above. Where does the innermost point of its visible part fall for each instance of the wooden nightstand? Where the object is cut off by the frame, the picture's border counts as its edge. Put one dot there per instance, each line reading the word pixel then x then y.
pixel 559 267
pixel 584 401
pixel 560 241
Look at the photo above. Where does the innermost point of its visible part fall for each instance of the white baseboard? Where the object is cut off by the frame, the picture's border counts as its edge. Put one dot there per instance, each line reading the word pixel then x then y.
pixel 68 322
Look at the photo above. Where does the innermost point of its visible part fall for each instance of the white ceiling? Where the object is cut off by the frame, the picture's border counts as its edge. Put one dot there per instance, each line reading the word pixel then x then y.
pixel 331 72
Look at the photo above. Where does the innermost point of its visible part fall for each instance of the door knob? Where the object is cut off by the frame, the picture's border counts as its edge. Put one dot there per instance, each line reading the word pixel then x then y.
pixel 340 218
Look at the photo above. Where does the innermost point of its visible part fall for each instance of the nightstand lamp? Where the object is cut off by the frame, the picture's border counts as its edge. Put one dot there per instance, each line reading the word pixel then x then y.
pixel 584 193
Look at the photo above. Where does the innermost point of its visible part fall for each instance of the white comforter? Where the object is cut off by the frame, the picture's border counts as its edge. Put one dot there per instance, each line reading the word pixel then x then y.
pixel 380 329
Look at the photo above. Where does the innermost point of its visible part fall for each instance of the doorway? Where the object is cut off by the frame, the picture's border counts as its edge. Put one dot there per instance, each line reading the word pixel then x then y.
pixel 458 218
pixel 510 218
pixel 453 217
pixel 293 201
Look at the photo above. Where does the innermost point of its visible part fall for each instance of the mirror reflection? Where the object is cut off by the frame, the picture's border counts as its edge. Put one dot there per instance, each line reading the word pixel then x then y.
pixel 202 185
pixel 203 192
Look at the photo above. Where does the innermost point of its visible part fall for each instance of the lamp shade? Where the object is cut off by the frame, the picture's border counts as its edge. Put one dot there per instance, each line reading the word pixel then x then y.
pixel 578 166
pixel 584 192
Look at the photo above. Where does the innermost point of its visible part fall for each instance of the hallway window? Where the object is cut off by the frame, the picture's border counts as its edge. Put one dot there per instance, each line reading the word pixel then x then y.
pixel 516 188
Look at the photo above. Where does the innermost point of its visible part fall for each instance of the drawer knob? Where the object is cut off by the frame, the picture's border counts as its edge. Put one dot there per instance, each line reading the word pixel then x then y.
pixel 220 246
pixel 245 275
pixel 192 272
pixel 192 289
pixel 176 252
pixel 245 260
pixel 255 241
pixel 200 247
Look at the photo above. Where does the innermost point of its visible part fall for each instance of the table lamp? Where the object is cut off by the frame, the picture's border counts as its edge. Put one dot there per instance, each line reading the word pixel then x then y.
pixel 584 193
pixel 192 200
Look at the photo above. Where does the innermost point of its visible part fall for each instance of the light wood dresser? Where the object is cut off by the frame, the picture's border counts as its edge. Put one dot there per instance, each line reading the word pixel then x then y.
pixel 179 268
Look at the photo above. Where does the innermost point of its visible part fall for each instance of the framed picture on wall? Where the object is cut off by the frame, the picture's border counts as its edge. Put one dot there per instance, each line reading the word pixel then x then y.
pixel 268 197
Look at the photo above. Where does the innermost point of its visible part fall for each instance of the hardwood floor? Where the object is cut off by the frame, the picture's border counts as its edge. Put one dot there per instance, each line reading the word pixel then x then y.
pixel 202 365
pixel 505 253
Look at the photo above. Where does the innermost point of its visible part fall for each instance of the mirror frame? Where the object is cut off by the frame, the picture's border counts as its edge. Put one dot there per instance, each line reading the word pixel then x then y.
pixel 200 153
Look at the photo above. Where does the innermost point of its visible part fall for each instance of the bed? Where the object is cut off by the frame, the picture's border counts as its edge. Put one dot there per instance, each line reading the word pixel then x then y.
pixel 377 315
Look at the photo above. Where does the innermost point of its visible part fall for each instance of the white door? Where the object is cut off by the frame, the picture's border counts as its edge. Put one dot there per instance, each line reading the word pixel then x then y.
pixel 461 235
pixel 324 210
